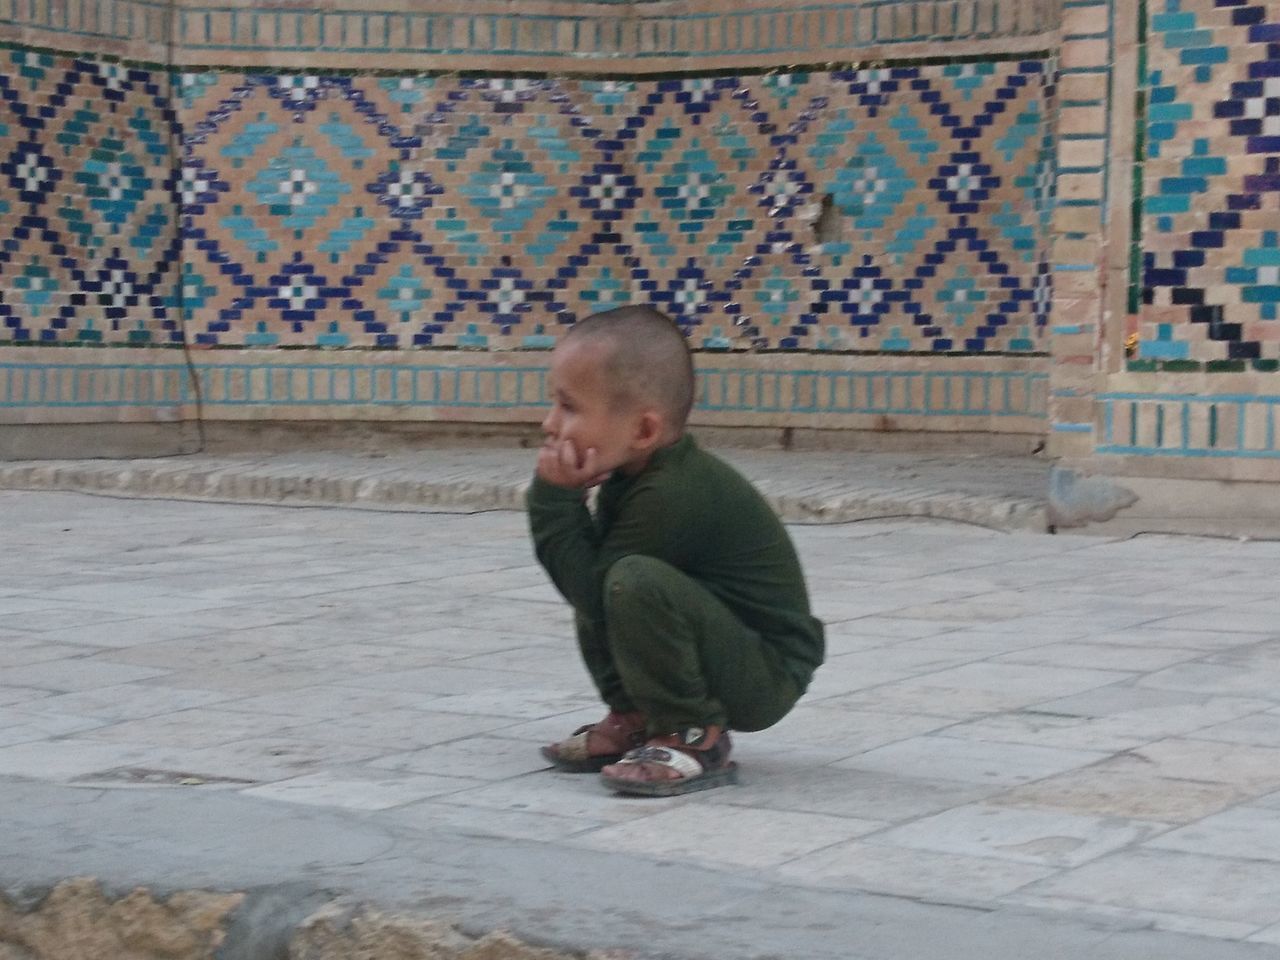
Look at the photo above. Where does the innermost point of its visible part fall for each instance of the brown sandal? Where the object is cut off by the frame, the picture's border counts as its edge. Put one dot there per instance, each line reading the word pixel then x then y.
pixel 699 755
pixel 620 731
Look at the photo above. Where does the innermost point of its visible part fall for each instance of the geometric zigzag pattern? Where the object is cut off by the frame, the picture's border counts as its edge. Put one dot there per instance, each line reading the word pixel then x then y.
pixel 86 191
pixel 1210 267
pixel 891 209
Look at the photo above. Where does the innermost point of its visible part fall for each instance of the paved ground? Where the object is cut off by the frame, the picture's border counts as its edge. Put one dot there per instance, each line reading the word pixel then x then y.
pixel 1001 492
pixel 1022 745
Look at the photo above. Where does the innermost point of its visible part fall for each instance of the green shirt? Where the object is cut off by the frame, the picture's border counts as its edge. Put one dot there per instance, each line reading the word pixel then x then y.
pixel 697 513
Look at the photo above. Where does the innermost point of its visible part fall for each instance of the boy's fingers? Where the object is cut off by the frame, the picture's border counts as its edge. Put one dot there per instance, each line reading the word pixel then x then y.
pixel 568 455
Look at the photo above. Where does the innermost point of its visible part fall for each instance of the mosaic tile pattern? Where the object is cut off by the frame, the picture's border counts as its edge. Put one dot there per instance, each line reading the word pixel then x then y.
pixel 891 209
pixel 86 196
pixel 1208 279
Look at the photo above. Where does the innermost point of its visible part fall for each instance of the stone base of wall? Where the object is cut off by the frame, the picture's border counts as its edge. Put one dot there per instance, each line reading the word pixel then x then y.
pixel 83 441
pixel 359 436
pixel 120 441
pixel 1094 497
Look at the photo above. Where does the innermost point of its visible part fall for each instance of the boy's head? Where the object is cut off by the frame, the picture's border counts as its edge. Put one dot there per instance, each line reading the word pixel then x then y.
pixel 622 382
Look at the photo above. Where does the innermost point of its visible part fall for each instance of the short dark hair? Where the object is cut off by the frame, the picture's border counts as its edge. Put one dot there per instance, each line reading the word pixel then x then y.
pixel 648 358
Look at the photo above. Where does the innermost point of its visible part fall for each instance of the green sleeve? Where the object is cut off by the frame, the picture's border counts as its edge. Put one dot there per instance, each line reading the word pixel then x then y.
pixel 565 539
pixel 577 556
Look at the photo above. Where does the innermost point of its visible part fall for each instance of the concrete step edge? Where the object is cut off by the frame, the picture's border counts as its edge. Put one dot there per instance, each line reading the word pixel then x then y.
pixel 221 485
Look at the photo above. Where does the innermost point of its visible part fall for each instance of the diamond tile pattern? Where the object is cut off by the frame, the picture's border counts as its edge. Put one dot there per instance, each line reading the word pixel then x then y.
pixel 88 193
pixel 896 208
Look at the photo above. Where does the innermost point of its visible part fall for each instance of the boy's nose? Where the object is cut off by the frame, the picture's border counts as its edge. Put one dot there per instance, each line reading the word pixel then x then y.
pixel 548 424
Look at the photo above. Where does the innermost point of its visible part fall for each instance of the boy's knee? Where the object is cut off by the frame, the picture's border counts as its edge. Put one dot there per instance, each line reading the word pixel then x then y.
pixel 633 578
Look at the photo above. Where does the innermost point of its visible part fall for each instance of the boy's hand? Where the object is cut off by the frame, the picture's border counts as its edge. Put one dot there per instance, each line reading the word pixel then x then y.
pixel 559 464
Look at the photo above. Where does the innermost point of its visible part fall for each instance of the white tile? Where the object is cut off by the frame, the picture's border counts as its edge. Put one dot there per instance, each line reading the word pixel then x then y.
pixel 396 731
pixel 1029 683
pixel 32 721
pixel 130 701
pixel 1215 679
pixel 1101 656
pixel 17 652
pixel 576 795
pixel 480 758
pixel 823 725
pixel 77 674
pixel 1258 729
pixel 10 696
pixel 1120 788
pixel 1216 888
pixel 66 759
pixel 1111 915
pixel 1252 770
pixel 1046 837
pixel 702 832
pixel 1267 935
pixel 783 781
pixel 1248 833
pixel 470 821
pixel 194 727
pixel 353 793
pixel 920 874
pixel 947 758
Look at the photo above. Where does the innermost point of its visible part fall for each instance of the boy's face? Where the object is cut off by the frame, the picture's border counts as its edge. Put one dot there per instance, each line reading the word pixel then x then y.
pixel 583 411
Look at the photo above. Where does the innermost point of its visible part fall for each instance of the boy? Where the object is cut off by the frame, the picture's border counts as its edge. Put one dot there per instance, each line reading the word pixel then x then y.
pixel 691 609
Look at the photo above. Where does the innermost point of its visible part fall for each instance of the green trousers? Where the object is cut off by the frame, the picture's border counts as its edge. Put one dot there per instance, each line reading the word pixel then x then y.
pixel 670 648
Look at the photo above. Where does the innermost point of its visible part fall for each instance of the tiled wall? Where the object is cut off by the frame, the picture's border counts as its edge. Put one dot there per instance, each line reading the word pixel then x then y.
pixel 892 209
pixel 898 210
pixel 1207 249
pixel 1190 382
pixel 1085 187
pixel 87 159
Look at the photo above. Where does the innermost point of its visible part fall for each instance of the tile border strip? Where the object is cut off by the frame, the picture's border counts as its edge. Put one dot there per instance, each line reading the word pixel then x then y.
pixel 1189 425
pixel 573 41
pixel 951 393
pixel 598 72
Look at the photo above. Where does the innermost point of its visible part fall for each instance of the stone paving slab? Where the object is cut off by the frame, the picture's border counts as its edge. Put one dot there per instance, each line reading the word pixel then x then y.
pixel 1001 492
pixel 996 761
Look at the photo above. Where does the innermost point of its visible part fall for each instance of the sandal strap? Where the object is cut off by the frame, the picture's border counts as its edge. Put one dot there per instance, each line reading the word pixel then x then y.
pixel 574 748
pixel 688 765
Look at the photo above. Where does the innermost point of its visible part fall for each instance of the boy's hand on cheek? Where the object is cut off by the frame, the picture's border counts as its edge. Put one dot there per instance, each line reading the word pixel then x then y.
pixel 559 464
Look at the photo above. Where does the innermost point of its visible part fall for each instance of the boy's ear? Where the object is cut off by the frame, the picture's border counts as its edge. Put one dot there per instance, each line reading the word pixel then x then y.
pixel 649 431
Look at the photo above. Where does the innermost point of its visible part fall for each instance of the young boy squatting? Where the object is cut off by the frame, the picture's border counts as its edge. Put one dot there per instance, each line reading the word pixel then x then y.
pixel 690 605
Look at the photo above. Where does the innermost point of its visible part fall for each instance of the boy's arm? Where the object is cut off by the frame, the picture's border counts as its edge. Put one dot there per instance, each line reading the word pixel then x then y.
pixel 564 539
pixel 574 554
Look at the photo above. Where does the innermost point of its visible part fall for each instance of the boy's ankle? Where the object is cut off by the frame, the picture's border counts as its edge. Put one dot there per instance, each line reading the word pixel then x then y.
pixel 629 720
pixel 692 737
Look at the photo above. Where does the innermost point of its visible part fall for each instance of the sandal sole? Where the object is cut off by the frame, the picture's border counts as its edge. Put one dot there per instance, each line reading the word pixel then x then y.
pixel 589 765
pixel 708 780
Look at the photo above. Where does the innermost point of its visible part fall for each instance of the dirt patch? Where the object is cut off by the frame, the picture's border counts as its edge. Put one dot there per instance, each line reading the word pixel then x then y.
pixel 77 920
